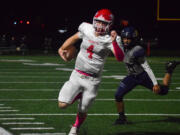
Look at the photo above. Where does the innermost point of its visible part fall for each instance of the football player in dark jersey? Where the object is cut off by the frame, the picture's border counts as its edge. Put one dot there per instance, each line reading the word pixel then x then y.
pixel 139 71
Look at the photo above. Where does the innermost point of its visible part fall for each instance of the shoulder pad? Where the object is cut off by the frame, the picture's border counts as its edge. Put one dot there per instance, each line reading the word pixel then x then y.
pixel 84 26
pixel 138 51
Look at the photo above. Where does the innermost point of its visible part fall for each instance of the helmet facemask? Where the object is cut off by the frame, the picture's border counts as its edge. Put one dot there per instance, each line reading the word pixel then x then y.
pixel 128 42
pixel 101 27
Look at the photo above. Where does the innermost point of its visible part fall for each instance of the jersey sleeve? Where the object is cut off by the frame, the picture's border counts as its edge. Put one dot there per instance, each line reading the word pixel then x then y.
pixel 149 71
pixel 81 29
pixel 118 40
pixel 139 54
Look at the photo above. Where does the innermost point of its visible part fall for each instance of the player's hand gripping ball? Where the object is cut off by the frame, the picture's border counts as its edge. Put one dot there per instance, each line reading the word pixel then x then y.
pixel 68 54
pixel 71 53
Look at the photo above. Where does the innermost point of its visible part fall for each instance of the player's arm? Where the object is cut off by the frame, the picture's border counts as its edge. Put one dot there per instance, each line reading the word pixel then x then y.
pixel 156 88
pixel 117 51
pixel 139 56
pixel 149 71
pixel 63 50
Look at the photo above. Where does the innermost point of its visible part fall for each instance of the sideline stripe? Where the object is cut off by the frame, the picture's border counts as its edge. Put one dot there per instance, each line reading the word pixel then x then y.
pixel 43 134
pixel 1 104
pixel 16 118
pixel 105 99
pixel 94 114
pixel 23 123
pixel 33 128
pixel 4 132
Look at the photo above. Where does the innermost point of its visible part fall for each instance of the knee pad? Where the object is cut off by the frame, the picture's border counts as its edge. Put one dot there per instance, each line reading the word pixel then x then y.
pixel 164 90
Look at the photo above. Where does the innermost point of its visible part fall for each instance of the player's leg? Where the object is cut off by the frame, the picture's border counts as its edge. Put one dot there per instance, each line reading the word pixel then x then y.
pixel 170 67
pixel 126 85
pixel 88 96
pixel 63 104
pixel 79 96
pixel 69 92
pixel 80 118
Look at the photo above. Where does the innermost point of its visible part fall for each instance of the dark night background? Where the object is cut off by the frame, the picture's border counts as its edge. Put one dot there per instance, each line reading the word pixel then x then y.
pixel 46 17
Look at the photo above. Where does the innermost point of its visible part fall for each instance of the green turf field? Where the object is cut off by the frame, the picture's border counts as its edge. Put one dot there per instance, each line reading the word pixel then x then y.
pixel 29 87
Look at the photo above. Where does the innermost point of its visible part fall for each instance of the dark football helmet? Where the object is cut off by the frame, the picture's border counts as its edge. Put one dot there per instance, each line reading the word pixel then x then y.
pixel 129 33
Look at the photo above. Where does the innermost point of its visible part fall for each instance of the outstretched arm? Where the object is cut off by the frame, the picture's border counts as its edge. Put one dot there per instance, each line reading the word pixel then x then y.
pixel 63 50
pixel 117 51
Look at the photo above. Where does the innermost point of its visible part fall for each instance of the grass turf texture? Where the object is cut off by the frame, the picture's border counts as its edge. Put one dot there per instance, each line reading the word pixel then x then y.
pixel 33 90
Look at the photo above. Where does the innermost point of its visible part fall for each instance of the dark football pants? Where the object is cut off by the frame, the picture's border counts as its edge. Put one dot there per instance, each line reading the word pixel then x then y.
pixel 131 81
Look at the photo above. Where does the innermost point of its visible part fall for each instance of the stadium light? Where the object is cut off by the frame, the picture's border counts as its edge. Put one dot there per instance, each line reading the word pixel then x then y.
pixel 21 21
pixel 15 22
pixel 62 30
pixel 28 22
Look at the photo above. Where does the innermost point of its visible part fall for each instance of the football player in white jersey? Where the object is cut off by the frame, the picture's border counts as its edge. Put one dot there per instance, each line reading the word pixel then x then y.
pixel 85 79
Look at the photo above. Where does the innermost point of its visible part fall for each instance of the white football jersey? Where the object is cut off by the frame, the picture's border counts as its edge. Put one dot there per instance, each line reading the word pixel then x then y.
pixel 93 50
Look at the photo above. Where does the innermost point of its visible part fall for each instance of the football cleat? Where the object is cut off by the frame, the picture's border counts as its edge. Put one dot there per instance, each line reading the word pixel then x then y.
pixel 73 131
pixel 171 65
pixel 121 120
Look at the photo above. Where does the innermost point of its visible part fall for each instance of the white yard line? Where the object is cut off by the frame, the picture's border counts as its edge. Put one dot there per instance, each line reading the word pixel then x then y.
pixel 9 110
pixel 5 107
pixel 93 114
pixel 16 118
pixel 30 82
pixel 50 76
pixel 23 123
pixel 33 128
pixel 32 72
pixel 43 134
pixel 28 99
pixel 4 132
pixel 154 100
pixel 63 82
pixel 1 104
pixel 103 99
pixel 57 76
pixel 29 89
pixel 103 90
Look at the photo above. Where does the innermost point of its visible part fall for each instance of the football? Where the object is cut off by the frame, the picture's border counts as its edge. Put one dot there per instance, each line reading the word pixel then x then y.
pixel 71 53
